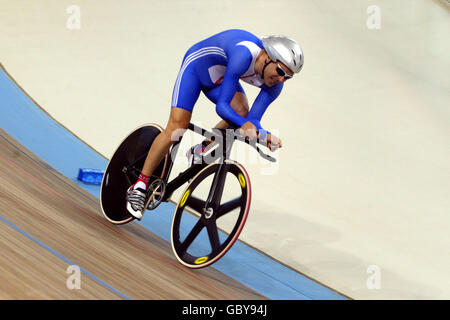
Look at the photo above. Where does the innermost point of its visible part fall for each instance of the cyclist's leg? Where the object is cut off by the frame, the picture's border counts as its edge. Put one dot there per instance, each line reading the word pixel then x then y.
pixel 239 102
pixel 178 121
pixel 185 94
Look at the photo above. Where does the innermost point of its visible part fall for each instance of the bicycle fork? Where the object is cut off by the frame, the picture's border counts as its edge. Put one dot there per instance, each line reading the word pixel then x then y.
pixel 217 186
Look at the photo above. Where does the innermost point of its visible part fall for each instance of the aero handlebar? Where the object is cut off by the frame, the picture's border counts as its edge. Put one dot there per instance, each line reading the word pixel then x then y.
pixel 232 133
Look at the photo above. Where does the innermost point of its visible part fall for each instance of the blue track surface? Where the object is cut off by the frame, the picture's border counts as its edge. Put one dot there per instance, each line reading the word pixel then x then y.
pixel 21 118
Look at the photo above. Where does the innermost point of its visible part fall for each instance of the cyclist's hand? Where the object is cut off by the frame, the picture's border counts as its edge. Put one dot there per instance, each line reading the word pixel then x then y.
pixel 248 130
pixel 273 142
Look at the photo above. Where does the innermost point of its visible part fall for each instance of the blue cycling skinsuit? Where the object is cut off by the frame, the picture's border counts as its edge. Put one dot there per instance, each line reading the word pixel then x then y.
pixel 215 66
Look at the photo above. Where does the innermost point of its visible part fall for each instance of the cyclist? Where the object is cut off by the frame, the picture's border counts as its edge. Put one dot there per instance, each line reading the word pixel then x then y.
pixel 214 66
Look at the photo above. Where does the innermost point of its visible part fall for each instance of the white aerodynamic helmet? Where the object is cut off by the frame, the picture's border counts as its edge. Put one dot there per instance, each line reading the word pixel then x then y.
pixel 284 49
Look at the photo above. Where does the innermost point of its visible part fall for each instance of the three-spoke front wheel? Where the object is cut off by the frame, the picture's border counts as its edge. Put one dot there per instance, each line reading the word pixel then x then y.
pixel 201 233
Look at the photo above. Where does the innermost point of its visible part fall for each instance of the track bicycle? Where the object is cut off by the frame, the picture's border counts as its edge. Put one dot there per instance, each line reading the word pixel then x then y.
pixel 213 208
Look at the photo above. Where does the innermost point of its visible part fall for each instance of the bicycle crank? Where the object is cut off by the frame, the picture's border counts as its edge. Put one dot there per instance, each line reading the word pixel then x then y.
pixel 155 193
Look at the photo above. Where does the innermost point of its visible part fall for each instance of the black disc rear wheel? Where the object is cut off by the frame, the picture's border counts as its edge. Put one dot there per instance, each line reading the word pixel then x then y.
pixel 123 170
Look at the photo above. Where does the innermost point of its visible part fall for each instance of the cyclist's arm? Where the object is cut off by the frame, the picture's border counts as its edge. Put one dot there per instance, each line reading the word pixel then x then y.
pixel 238 62
pixel 265 97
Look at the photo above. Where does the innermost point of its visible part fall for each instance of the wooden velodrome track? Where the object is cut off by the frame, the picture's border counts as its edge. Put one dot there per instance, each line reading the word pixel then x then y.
pixel 48 223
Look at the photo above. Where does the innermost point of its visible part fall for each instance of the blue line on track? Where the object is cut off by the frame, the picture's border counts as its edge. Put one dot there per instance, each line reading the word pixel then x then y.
pixel 64 258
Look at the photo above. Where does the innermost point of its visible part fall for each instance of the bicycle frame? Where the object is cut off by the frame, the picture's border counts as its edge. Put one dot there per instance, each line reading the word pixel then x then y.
pixel 216 190
pixel 225 139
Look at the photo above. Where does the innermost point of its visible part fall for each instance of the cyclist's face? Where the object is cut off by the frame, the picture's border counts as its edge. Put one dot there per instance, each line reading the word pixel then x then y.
pixel 273 77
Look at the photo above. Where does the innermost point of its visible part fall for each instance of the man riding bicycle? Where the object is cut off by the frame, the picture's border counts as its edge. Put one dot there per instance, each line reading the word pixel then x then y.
pixel 214 66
